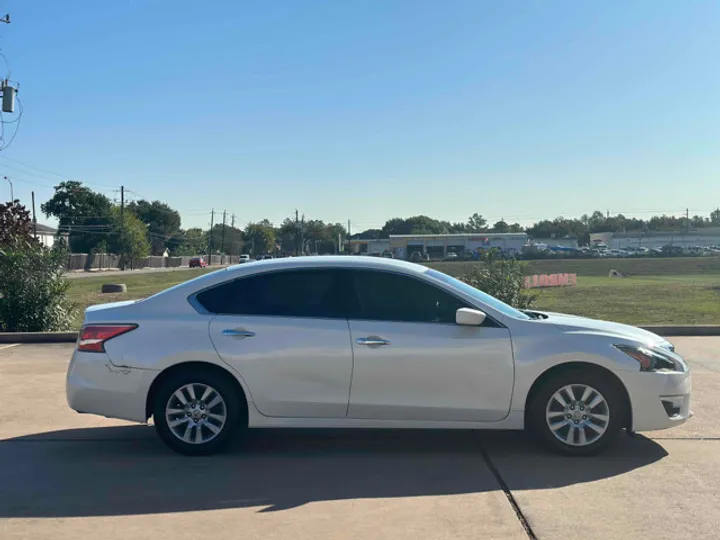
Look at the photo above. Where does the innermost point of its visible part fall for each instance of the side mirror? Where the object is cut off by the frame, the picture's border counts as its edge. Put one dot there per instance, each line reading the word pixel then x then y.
pixel 469 317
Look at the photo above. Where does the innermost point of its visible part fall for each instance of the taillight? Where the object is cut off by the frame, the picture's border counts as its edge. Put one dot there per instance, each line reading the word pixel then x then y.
pixel 93 337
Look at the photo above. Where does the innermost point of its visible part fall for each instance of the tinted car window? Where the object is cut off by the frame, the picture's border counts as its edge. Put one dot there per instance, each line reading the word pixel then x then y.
pixel 384 296
pixel 303 293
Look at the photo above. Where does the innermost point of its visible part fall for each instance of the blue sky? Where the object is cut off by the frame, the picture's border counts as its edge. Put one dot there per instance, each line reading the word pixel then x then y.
pixel 370 109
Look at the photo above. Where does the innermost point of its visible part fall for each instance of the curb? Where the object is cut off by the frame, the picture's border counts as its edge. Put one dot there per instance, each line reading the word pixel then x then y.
pixel 71 337
pixel 684 330
pixel 38 337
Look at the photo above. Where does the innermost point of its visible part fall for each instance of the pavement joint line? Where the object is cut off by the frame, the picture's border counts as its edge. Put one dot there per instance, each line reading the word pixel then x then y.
pixel 508 494
pixel 9 346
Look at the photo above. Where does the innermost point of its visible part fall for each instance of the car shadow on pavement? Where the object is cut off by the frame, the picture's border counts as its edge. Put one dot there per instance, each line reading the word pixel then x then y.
pixel 126 470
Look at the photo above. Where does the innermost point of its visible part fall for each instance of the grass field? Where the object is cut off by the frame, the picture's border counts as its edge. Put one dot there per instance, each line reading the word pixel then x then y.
pixel 656 291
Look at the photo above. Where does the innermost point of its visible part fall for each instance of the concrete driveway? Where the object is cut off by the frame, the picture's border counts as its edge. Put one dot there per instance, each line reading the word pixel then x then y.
pixel 70 476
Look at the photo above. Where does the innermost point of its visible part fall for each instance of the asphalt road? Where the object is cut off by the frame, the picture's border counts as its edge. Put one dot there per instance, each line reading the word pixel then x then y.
pixel 71 476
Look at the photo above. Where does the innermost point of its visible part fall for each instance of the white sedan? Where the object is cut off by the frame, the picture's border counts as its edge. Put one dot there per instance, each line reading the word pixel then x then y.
pixel 366 342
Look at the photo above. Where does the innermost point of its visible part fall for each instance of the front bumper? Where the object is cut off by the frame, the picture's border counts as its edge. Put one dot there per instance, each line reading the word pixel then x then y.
pixel 657 400
pixel 94 385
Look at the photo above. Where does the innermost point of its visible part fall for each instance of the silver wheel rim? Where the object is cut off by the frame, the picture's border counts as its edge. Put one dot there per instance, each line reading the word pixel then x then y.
pixel 196 413
pixel 577 415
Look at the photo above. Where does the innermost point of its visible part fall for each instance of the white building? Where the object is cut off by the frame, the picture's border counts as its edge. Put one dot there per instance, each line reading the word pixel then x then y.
pixel 439 245
pixel 658 239
pixel 46 235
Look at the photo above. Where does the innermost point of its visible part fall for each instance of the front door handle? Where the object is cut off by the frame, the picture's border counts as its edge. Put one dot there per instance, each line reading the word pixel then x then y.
pixel 372 341
pixel 239 333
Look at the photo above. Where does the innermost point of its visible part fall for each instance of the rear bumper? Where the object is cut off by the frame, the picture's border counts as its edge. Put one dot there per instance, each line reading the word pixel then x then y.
pixel 96 386
pixel 647 393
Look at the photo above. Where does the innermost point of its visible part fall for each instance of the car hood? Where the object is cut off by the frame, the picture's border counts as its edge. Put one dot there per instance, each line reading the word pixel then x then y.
pixel 574 323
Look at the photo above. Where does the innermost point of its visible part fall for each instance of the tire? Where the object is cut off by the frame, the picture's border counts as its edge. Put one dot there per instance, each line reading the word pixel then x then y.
pixel 579 434
pixel 215 434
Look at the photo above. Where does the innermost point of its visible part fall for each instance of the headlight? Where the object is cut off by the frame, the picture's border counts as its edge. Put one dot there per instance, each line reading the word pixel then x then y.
pixel 654 359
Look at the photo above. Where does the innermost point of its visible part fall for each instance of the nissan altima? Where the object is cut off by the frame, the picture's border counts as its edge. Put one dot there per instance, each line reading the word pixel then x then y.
pixel 366 342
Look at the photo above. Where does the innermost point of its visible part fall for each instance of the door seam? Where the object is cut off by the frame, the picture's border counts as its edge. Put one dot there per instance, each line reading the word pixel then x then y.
pixel 352 367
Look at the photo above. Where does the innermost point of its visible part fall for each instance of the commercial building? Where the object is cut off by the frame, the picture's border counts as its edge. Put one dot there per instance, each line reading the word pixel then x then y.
pixel 658 239
pixel 371 247
pixel 439 245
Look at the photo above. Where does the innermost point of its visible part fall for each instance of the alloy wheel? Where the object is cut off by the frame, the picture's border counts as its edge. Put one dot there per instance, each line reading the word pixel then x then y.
pixel 577 415
pixel 196 413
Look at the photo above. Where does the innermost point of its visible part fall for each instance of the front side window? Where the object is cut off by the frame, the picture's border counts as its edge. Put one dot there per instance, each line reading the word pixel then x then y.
pixel 386 296
pixel 478 295
pixel 296 293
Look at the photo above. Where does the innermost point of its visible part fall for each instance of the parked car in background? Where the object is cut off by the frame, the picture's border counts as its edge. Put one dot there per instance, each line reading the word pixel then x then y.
pixel 244 258
pixel 451 256
pixel 367 342
pixel 197 262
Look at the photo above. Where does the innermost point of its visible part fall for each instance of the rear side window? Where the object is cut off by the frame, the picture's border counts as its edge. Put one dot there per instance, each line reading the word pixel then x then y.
pixel 298 293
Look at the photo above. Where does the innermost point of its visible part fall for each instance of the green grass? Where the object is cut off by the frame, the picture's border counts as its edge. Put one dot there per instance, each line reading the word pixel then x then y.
pixel 85 291
pixel 657 291
pixel 639 300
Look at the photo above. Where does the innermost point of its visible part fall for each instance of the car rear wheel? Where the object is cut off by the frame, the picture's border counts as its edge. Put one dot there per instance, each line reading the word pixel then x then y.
pixel 196 413
pixel 577 412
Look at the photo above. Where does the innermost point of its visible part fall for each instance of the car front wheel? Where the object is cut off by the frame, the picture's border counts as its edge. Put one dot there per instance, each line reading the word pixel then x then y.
pixel 196 413
pixel 577 412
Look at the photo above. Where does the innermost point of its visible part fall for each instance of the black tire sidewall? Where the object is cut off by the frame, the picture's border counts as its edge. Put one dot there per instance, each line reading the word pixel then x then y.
pixel 601 382
pixel 233 406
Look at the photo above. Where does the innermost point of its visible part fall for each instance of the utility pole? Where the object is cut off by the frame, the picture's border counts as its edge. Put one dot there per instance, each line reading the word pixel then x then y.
pixel 232 222
pixel 34 218
pixel 297 233
pixel 210 242
pixel 687 220
pixel 608 215
pixel 12 195
pixel 222 238
pixel 302 234
pixel 122 227
pixel 347 243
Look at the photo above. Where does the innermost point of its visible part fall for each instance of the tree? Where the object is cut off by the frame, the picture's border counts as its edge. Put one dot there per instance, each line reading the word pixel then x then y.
pixel 502 278
pixel 33 289
pixel 476 223
pixel 130 240
pixel 260 237
pixel 15 224
pixel 229 244
pixel 415 225
pixel 163 224
pixel 369 234
pixel 192 242
pixel 82 213
pixel 500 227
pixel 715 218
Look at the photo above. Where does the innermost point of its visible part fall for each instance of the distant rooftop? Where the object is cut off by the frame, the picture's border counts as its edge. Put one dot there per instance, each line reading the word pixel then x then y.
pixel 461 235
pixel 44 229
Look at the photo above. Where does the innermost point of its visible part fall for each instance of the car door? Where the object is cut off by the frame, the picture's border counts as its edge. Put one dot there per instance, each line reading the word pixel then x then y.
pixel 286 334
pixel 413 362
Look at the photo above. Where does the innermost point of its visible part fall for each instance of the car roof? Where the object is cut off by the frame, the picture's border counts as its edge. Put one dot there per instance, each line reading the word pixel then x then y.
pixel 334 261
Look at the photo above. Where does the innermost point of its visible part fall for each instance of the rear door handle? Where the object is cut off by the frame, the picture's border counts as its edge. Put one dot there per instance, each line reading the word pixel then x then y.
pixel 372 341
pixel 237 333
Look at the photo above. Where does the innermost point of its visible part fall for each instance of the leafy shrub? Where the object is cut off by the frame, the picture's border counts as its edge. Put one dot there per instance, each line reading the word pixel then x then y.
pixel 502 278
pixel 33 291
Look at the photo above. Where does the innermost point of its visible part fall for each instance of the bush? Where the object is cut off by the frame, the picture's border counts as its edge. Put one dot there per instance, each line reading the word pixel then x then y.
pixel 33 291
pixel 502 278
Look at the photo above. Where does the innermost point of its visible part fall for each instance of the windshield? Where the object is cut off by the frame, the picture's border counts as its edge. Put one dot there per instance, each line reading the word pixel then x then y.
pixel 478 295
